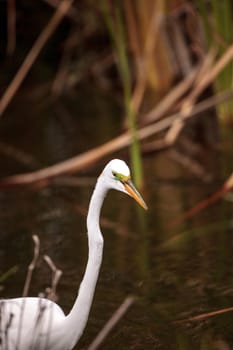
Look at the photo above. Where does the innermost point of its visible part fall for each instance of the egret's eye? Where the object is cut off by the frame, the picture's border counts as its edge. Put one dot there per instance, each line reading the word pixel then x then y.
pixel 120 177
pixel 116 175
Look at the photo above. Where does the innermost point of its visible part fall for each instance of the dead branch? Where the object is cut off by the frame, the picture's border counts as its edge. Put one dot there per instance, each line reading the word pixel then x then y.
pixel 51 292
pixel 202 76
pixel 32 266
pixel 33 54
pixel 182 50
pixel 116 317
pixel 72 13
pixel 216 196
pixel 204 315
pixel 207 64
pixel 213 72
pixel 189 101
pixel 168 101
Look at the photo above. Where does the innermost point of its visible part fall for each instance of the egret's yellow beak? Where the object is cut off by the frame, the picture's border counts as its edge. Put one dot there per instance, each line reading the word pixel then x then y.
pixel 130 188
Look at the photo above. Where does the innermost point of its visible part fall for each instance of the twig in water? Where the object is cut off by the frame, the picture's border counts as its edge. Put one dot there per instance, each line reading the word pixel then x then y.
pixel 204 315
pixel 56 275
pixel 204 203
pixel 32 266
pixel 116 317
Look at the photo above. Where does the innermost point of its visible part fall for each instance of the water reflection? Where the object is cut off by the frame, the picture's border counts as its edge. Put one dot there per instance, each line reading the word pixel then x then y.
pixel 175 272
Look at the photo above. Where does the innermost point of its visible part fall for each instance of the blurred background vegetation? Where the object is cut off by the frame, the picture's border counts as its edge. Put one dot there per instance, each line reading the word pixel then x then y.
pixel 155 58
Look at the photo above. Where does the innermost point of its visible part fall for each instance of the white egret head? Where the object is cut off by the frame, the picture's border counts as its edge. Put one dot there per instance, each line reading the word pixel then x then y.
pixel 116 175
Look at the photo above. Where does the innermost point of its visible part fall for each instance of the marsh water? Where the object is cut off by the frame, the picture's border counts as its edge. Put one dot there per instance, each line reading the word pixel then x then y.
pixel 174 271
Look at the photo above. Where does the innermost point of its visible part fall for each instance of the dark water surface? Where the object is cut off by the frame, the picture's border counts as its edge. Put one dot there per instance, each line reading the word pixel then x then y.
pixel 175 271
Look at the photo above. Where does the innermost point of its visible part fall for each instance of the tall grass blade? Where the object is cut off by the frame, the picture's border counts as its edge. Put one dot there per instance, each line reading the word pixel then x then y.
pixel 115 25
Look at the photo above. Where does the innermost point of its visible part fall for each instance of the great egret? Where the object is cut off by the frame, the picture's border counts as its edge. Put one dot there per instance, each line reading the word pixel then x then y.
pixel 40 324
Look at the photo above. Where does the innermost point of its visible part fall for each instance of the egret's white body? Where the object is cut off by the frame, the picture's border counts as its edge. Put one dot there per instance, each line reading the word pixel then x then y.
pixel 40 324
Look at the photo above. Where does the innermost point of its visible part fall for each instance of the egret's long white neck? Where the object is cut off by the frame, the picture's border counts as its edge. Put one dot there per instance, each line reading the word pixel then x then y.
pixel 79 313
pixel 95 206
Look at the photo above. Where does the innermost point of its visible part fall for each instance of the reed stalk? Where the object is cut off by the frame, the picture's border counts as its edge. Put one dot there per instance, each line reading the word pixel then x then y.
pixel 115 25
pixel 218 26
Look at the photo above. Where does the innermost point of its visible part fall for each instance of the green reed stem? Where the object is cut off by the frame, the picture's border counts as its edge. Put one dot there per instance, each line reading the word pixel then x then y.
pixel 117 33
pixel 219 31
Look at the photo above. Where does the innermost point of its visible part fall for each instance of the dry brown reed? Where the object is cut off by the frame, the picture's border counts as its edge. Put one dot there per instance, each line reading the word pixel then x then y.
pixel 116 317
pixel 32 265
pixel 33 54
